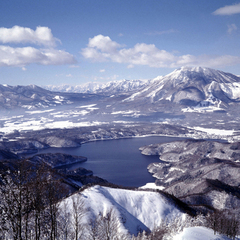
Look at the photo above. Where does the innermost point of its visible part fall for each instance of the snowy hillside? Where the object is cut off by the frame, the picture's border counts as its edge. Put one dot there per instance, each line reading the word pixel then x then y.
pixel 135 210
pixel 124 213
pixel 112 87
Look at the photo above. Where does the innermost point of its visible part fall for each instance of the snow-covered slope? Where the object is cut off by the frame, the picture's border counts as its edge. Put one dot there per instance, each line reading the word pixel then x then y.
pixel 192 87
pixel 112 87
pixel 199 233
pixel 135 210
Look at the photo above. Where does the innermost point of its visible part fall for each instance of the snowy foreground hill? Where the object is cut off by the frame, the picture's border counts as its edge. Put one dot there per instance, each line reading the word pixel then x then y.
pixel 131 212
pixel 136 209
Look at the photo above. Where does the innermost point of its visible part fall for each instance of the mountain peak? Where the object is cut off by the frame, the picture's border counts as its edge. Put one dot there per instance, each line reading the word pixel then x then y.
pixel 205 74
pixel 190 70
pixel 193 86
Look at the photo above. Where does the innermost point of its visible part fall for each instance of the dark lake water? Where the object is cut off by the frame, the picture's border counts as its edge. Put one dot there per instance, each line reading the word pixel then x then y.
pixel 117 161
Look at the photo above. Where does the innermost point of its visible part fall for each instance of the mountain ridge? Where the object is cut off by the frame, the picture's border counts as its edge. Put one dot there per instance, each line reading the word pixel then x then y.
pixel 112 87
pixel 192 87
pixel 196 87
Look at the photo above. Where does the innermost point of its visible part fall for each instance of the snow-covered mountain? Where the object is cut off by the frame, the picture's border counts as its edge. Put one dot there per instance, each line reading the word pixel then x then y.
pixel 112 87
pixel 192 87
pixel 32 97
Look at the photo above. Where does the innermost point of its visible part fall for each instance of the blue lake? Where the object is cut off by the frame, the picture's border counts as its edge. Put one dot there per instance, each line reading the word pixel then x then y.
pixel 117 161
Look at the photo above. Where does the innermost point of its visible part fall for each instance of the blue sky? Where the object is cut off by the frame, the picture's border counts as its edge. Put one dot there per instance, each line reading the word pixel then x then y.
pixel 76 41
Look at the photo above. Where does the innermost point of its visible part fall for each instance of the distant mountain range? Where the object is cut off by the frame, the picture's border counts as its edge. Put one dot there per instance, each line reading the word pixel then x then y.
pixel 196 86
pixel 112 87
pixel 190 87
pixel 32 97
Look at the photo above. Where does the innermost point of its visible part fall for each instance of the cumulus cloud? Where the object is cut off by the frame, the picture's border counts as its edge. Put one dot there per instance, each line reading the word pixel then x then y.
pixel 232 28
pixel 102 70
pixel 103 43
pixel 17 34
pixel 228 10
pixel 102 48
pixel 20 57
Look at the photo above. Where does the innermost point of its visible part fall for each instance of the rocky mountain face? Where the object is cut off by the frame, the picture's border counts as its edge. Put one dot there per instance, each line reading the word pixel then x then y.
pixel 192 87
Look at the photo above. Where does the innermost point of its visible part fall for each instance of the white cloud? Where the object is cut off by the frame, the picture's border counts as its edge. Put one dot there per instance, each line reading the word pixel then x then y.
pixel 228 10
pixel 17 34
pixel 101 48
pixel 102 70
pixel 103 43
pixel 232 27
pixel 20 57
pixel 69 75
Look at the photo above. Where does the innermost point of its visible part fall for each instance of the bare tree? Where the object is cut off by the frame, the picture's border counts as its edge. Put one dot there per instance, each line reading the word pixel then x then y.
pixel 15 200
pixel 39 202
pixel 29 196
pixel 77 216
pixel 64 222
pixel 93 229
pixel 109 225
